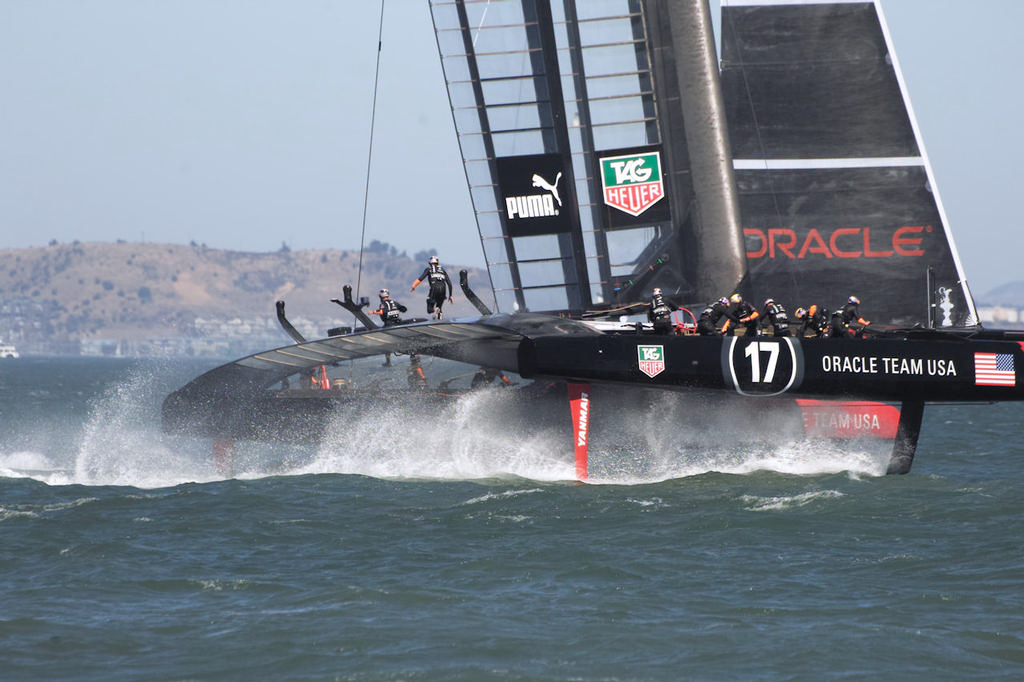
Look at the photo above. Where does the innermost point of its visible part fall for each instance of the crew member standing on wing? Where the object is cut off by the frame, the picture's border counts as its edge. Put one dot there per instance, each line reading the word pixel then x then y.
pixel 660 312
pixel 389 314
pixel 389 309
pixel 440 287
pixel 746 314
pixel 707 323
pixel 775 316
pixel 811 320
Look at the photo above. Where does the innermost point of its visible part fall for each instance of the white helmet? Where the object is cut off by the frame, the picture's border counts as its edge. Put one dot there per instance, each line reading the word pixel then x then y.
pixel 383 293
pixel 736 298
pixel 656 292
pixel 433 260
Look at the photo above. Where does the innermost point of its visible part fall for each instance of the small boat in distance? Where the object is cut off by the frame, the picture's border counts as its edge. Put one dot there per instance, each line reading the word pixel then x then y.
pixel 7 350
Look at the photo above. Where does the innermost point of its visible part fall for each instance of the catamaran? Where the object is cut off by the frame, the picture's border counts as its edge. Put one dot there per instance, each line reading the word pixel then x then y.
pixel 609 151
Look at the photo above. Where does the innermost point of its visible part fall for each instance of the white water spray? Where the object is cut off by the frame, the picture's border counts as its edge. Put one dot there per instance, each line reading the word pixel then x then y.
pixel 465 440
pixel 122 443
pixel 638 437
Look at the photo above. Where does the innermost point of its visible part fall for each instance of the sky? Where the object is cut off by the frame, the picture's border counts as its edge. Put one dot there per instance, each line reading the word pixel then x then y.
pixel 245 125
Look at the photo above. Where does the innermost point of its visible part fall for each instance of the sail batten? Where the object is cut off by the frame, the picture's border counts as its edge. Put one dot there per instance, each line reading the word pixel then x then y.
pixel 793 164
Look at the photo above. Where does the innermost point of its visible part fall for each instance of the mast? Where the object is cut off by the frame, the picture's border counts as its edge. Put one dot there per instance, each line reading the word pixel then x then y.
pixel 717 227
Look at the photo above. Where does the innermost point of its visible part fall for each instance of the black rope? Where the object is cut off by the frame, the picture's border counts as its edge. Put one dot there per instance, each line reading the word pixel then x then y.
pixel 369 153
pixel 757 125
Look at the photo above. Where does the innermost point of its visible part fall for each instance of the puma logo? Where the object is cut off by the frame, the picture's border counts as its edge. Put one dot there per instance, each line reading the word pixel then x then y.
pixel 541 183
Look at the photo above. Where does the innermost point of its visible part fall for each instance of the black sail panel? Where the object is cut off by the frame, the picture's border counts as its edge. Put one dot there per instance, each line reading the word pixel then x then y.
pixel 820 80
pixel 836 195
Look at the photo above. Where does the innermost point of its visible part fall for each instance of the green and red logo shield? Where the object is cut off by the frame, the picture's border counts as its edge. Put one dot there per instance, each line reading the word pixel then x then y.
pixel 651 360
pixel 632 183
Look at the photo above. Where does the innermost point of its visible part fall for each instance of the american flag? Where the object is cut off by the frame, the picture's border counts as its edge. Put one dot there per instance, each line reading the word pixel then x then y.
pixel 994 369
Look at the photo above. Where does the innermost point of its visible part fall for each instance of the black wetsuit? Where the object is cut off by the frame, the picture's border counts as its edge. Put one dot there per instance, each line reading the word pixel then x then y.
pixel 660 314
pixel 440 287
pixel 850 314
pixel 743 312
pixel 389 312
pixel 415 375
pixel 775 316
pixel 707 323
pixel 813 322
pixel 842 321
pixel 486 375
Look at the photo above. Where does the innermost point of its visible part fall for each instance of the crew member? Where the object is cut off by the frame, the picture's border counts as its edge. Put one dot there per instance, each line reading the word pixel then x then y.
pixel 811 320
pixel 707 323
pixel 389 312
pixel 847 320
pixel 440 287
pixel 389 309
pixel 745 313
pixel 485 375
pixel 415 373
pixel 660 312
pixel 775 316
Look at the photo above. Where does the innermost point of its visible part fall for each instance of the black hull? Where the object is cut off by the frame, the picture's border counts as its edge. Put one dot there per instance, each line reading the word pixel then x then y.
pixel 752 375
pixel 931 368
pixel 632 430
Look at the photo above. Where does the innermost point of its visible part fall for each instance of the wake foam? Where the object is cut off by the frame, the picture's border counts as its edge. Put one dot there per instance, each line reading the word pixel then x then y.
pixel 637 437
pixel 469 439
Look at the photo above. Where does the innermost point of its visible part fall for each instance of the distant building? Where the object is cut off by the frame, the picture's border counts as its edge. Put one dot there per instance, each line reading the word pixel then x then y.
pixel 1000 315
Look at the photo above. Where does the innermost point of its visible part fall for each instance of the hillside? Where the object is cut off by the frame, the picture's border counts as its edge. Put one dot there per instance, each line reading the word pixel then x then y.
pixel 1010 294
pixel 68 292
pixel 53 298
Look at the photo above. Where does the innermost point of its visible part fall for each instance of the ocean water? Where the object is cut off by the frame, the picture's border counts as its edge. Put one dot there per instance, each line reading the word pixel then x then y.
pixel 446 550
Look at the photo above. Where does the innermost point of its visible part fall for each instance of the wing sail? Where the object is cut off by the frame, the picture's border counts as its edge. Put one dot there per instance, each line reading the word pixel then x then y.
pixel 836 192
pixel 570 119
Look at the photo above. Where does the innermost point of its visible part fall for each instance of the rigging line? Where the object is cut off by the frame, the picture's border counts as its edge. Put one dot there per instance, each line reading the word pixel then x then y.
pixel 746 89
pixel 757 125
pixel 483 17
pixel 612 310
pixel 369 152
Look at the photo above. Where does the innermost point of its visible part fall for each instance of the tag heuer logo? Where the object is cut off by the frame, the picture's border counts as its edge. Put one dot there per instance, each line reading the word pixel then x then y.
pixel 632 183
pixel 651 359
